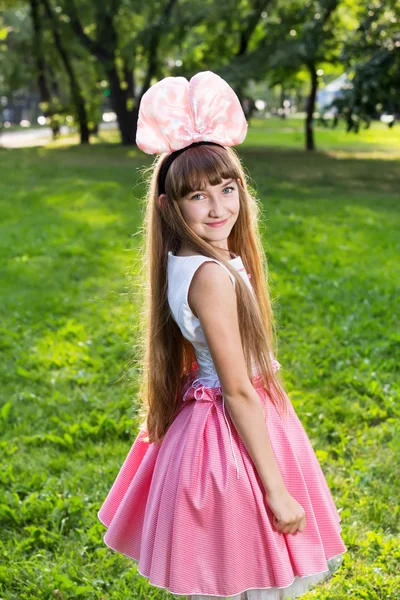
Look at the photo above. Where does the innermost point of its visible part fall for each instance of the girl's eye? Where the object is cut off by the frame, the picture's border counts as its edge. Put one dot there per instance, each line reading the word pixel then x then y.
pixel 229 187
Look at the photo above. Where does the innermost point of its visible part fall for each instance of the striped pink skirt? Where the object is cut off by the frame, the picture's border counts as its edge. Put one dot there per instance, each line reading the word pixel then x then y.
pixel 191 511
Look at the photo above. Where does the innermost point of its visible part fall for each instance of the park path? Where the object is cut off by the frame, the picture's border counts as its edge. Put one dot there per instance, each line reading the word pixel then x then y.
pixel 39 136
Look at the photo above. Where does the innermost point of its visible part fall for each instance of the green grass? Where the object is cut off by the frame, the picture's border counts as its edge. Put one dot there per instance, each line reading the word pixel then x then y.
pixel 290 133
pixel 70 223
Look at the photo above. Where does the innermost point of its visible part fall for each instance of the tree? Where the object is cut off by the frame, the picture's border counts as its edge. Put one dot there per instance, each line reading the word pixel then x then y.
pixel 76 93
pixel 17 66
pixel 105 46
pixel 38 52
pixel 284 42
pixel 42 67
pixel 219 37
pixel 373 57
pixel 295 39
pixel 302 36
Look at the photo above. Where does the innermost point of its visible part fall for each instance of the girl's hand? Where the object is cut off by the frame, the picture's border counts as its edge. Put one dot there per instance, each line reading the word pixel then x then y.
pixel 289 515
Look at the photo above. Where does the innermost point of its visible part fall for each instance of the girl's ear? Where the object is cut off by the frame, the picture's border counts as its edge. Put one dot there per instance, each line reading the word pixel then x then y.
pixel 239 181
pixel 161 200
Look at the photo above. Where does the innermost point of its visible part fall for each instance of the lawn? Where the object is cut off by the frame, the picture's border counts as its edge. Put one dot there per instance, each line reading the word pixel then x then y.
pixel 69 245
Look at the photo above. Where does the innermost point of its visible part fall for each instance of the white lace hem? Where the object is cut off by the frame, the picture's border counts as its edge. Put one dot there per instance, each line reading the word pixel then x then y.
pixel 298 587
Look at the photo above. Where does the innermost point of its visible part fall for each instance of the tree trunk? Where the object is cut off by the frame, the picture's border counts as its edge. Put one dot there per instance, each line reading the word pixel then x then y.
pixel 76 93
pixel 40 62
pixel 105 48
pixel 282 100
pixel 310 107
pixel 127 119
pixel 55 93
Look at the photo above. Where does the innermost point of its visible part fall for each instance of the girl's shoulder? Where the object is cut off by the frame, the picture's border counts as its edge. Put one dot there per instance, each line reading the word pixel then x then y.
pixel 181 270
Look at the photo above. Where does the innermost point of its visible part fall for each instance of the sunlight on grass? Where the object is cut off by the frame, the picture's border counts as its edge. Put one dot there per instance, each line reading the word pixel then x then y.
pixel 70 226
pixel 390 154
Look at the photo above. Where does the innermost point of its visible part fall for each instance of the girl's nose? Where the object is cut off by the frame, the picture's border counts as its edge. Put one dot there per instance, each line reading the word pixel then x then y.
pixel 216 204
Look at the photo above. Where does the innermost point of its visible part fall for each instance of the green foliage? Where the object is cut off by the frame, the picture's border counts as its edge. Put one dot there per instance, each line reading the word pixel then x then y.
pixel 373 55
pixel 18 69
pixel 16 65
pixel 293 35
pixel 70 291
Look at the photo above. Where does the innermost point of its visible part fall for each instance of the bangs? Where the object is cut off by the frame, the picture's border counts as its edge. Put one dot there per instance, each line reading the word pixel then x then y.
pixel 195 168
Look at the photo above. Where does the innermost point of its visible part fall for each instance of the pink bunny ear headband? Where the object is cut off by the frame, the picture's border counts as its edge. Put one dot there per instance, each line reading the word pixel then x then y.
pixel 176 114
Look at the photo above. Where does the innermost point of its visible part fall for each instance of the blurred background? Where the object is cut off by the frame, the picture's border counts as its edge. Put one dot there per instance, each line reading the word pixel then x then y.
pixel 319 84
pixel 81 66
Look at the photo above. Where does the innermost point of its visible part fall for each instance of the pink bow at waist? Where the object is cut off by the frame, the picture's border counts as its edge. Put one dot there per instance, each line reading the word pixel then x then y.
pixel 202 392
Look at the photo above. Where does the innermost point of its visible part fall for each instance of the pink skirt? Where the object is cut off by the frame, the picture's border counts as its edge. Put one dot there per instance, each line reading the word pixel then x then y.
pixel 191 511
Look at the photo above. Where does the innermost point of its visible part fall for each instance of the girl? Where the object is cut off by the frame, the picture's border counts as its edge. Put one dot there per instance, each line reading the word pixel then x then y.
pixel 221 494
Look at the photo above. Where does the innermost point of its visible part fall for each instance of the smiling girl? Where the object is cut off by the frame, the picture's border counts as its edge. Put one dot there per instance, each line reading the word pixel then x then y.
pixel 221 494
pixel 196 209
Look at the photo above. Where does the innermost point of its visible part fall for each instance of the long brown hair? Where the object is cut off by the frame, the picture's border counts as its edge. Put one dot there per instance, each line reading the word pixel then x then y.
pixel 165 355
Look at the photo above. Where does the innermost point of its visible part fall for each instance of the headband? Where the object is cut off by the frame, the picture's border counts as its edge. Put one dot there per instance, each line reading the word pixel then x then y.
pixel 170 159
pixel 175 114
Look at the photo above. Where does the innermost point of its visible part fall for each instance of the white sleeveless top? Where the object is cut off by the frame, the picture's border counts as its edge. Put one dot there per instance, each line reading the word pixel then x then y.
pixel 180 273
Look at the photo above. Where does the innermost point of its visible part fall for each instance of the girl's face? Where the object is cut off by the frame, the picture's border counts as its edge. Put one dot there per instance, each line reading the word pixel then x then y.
pixel 212 212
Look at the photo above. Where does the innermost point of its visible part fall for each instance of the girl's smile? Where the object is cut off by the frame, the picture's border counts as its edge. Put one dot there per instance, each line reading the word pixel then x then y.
pixel 213 207
pixel 217 224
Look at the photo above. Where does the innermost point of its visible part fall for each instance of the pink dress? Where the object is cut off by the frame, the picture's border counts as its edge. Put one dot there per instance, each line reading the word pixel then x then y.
pixel 191 511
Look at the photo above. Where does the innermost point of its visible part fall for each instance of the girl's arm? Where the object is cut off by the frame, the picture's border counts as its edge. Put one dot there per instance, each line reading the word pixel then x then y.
pixel 212 299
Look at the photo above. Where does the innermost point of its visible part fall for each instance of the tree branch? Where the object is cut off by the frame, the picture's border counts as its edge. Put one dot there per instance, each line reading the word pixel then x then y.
pixel 38 52
pixel 154 43
pixel 94 47
pixel 252 21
